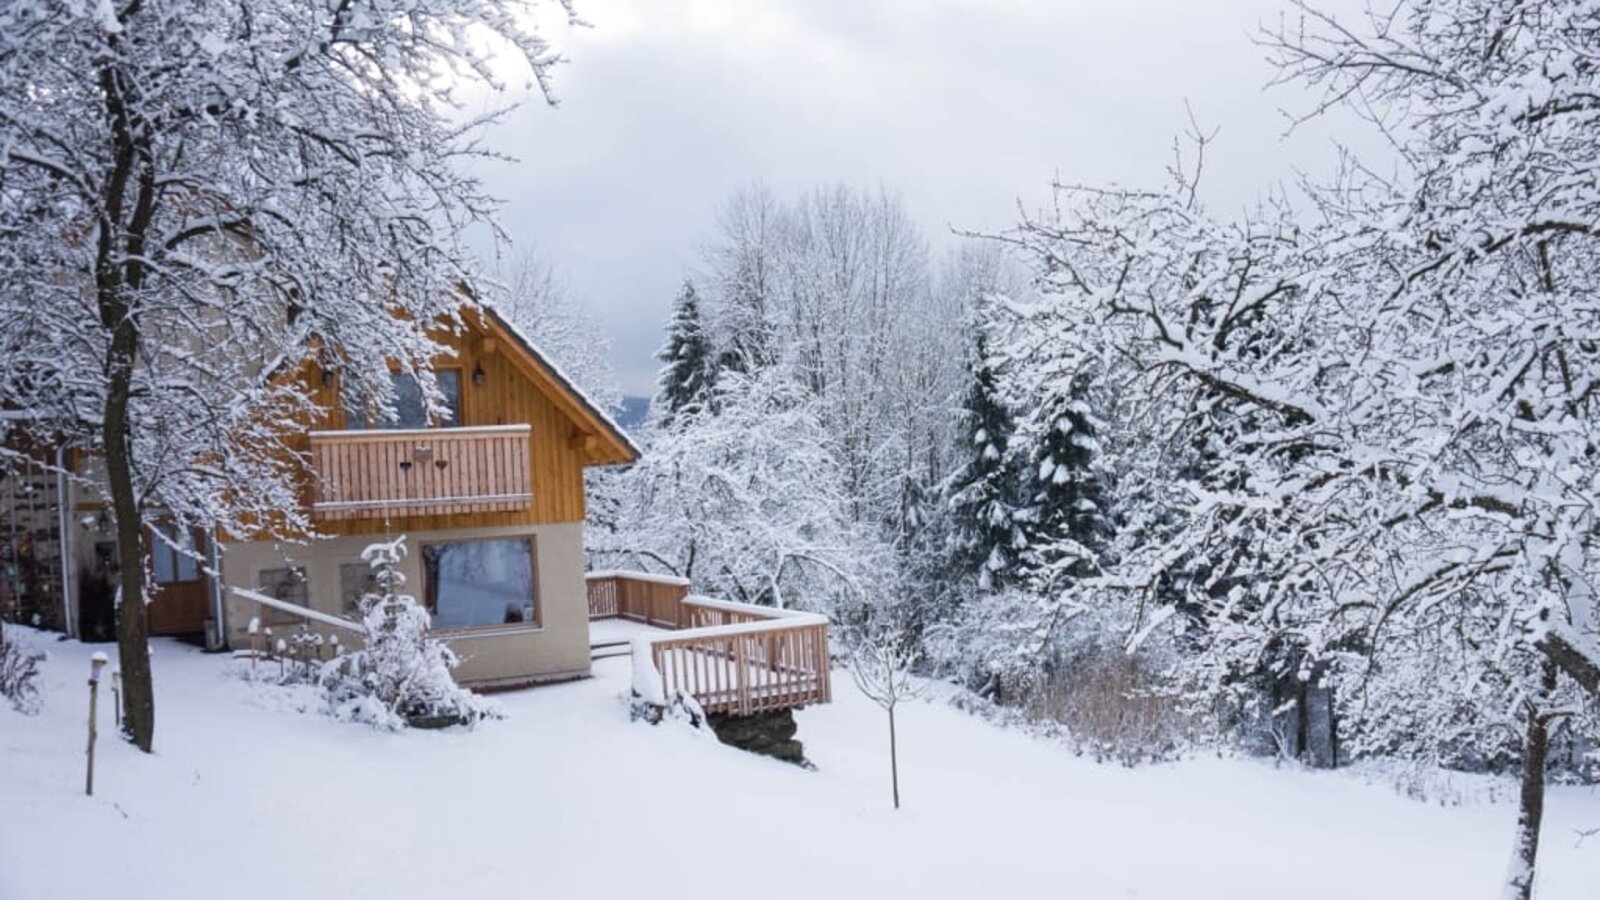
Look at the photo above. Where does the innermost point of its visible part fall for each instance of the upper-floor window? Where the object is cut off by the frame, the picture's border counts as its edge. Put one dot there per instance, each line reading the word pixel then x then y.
pixel 173 556
pixel 410 411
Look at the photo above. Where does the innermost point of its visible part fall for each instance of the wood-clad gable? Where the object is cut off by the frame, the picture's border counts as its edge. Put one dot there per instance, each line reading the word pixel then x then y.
pixel 517 386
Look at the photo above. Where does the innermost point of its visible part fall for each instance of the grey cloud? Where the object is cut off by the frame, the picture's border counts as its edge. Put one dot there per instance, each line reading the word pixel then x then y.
pixel 965 108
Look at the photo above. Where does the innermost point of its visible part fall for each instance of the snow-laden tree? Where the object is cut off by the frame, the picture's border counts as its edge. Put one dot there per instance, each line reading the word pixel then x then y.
pixel 928 375
pixel 1393 390
pixel 836 286
pixel 1487 254
pixel 688 363
pixel 540 303
pixel 1066 522
pixel 855 276
pixel 983 496
pixel 743 271
pixel 836 289
pixel 746 502
pixel 198 196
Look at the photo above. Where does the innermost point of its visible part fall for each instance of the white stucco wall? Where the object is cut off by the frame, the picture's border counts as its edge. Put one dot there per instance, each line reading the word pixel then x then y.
pixel 556 647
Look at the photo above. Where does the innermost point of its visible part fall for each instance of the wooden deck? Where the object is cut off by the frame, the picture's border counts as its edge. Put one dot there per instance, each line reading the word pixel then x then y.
pixel 733 658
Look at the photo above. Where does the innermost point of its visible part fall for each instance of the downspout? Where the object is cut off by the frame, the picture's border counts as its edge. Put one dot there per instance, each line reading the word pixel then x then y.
pixel 218 639
pixel 69 556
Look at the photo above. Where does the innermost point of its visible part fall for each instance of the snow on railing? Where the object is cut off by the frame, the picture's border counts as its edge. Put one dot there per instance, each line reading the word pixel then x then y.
pixel 734 658
pixel 649 577
pixel 637 596
pixel 304 612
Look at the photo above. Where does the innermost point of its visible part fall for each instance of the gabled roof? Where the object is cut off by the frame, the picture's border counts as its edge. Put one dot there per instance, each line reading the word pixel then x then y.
pixel 607 443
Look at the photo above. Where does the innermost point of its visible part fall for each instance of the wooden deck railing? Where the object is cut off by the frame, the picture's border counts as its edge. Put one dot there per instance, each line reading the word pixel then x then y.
pixel 733 658
pixel 638 597
pixel 433 471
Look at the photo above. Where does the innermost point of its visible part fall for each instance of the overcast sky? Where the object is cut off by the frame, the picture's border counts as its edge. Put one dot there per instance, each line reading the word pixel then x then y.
pixel 964 107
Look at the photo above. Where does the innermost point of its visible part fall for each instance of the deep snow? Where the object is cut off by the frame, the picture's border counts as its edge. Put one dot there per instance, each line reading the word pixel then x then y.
pixel 567 798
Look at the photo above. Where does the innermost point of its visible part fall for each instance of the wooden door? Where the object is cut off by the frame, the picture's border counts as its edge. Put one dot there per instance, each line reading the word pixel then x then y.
pixel 181 600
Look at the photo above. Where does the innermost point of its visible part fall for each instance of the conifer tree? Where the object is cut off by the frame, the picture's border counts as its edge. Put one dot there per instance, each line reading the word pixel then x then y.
pixel 1067 520
pixel 687 371
pixel 984 530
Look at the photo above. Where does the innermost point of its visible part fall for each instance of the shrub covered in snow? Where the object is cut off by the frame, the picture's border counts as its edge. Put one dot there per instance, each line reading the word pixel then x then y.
pixel 402 676
pixel 19 674
pixel 1074 679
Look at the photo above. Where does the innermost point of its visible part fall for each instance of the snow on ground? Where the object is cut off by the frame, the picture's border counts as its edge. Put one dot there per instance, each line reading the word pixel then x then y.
pixel 567 798
pixel 606 631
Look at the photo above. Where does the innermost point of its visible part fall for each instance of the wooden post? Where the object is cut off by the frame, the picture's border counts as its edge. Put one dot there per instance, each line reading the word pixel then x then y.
pixel 96 663
pixel 255 639
pixel 894 760
pixel 741 676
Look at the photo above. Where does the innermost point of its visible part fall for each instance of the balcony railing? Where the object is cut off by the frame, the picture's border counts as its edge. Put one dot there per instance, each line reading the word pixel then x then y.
pixel 426 472
pixel 733 658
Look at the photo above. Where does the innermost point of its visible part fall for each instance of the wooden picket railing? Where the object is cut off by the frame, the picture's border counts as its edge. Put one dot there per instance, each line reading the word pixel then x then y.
pixel 423 472
pixel 733 658
pixel 638 597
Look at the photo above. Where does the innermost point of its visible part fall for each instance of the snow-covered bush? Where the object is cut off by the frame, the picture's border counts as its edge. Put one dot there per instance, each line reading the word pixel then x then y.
pixel 1076 677
pixel 680 707
pixel 19 675
pixel 1116 706
pixel 402 675
pixel 979 647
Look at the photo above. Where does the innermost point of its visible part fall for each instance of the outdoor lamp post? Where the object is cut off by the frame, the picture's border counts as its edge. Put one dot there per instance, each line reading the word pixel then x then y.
pixel 96 663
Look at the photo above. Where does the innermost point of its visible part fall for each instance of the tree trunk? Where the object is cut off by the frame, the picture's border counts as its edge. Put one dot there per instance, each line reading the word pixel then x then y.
pixel 133 628
pixel 119 275
pixel 1525 851
pixel 894 761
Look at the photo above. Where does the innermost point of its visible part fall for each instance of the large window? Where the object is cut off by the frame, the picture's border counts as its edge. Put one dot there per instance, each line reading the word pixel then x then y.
pixel 478 584
pixel 360 411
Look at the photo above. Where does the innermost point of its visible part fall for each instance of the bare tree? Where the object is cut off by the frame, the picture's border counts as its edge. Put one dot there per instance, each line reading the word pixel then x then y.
pixel 881 659
pixel 540 303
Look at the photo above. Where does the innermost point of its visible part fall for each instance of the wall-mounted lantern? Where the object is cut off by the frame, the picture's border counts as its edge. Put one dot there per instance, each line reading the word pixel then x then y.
pixel 96 524
pixel 478 375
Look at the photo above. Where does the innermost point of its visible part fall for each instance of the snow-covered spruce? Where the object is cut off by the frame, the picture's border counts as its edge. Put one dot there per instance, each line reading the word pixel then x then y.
pixel 401 677
pixel 687 373
pixel 983 497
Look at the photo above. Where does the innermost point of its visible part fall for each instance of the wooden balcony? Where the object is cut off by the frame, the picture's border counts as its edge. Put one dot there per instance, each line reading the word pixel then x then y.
pixel 427 472
pixel 733 658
